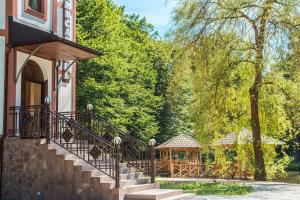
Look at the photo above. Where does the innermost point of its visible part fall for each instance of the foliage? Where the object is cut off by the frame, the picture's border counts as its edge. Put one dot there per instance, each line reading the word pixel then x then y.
pixel 235 48
pixel 293 177
pixel 122 84
pixel 199 83
pixel 209 188
pixel 294 166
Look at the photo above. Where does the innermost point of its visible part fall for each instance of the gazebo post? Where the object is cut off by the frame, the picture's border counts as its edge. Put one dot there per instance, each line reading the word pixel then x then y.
pixel 247 152
pixel 186 154
pixel 248 157
pixel 239 165
pixel 206 166
pixel 168 158
pixel 171 164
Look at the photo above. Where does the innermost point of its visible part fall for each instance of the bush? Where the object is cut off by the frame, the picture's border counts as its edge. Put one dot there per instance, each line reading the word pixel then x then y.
pixel 294 166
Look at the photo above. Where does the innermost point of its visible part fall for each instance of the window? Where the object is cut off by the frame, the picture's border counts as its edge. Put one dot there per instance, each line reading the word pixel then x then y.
pixel 35 5
pixel 37 8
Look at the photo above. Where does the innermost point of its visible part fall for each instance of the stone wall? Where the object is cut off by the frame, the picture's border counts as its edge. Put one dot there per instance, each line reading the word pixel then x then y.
pixel 29 168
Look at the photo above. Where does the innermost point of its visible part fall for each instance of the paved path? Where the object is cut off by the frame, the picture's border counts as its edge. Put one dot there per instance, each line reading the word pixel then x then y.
pixel 262 191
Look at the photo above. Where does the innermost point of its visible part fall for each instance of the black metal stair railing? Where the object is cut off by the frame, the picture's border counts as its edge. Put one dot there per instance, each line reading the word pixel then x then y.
pixel 134 152
pixel 39 121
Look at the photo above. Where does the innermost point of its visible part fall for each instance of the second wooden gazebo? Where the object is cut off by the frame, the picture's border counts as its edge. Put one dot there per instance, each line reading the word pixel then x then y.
pixel 243 139
pixel 180 156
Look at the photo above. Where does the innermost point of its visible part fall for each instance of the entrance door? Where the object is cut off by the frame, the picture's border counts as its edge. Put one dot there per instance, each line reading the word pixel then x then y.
pixel 33 93
pixel 34 88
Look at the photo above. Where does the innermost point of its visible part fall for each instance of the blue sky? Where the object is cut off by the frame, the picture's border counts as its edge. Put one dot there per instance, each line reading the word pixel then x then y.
pixel 157 12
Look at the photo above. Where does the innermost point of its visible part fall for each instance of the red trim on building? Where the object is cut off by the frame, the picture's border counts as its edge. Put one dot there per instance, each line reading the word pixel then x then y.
pixel 54 18
pixel 60 4
pixel 14 8
pixel 41 15
pixel 11 10
pixel 11 88
pixel 53 88
pixel 2 32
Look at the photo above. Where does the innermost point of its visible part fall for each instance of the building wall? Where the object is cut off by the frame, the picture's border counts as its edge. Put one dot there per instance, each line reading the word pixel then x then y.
pixel 30 167
pixel 65 98
pixel 2 14
pixel 2 79
pixel 65 92
pixel 55 21
pixel 46 67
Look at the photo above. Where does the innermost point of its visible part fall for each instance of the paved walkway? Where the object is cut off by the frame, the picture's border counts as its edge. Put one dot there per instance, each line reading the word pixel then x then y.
pixel 262 190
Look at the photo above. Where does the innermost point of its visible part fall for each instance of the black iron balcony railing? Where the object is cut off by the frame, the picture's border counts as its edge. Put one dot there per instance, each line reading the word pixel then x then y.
pixel 134 152
pixel 27 122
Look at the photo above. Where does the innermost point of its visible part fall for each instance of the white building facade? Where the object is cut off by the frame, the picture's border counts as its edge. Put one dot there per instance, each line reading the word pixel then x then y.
pixel 38 56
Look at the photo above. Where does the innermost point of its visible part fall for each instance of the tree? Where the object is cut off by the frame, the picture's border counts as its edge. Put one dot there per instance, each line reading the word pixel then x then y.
pixel 264 26
pixel 122 84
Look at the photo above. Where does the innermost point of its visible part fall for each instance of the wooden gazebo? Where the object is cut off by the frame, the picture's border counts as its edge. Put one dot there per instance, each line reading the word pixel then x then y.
pixel 243 139
pixel 180 156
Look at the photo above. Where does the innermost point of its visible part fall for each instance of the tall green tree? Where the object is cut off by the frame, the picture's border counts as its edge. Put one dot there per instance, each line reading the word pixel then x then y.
pixel 122 84
pixel 264 26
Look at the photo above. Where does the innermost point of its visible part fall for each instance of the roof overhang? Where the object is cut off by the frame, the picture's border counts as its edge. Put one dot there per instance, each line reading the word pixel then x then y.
pixel 28 39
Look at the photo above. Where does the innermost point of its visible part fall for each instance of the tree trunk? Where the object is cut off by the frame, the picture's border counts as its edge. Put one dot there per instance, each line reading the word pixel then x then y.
pixel 260 171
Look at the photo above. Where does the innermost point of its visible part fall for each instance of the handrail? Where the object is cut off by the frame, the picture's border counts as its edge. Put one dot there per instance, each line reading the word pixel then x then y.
pixel 69 135
pixel 80 141
pixel 99 118
pixel 82 128
pixel 135 152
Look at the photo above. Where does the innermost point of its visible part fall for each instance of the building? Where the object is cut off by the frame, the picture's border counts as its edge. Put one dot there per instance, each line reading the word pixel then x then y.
pixel 49 151
pixel 34 63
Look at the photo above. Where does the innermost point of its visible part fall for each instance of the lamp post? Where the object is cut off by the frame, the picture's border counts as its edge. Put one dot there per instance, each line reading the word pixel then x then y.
pixel 117 142
pixel 152 143
pixel 46 111
pixel 89 109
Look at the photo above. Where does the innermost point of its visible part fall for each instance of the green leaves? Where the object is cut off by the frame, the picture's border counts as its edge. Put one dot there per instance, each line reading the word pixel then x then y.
pixel 122 84
pixel 231 46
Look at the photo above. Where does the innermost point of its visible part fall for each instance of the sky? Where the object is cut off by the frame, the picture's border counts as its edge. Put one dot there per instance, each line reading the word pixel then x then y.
pixel 157 12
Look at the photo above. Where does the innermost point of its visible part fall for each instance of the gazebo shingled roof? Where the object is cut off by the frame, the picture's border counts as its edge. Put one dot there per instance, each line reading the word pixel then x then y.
pixel 245 137
pixel 180 141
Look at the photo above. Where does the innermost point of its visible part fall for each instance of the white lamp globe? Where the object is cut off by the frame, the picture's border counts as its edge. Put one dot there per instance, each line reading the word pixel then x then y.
pixel 152 142
pixel 117 140
pixel 90 107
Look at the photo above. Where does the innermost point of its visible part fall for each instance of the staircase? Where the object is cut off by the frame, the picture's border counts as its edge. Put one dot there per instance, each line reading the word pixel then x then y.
pixel 115 171
pixel 133 184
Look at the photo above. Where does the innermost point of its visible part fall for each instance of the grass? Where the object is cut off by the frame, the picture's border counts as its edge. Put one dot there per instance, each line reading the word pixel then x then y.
pixel 209 188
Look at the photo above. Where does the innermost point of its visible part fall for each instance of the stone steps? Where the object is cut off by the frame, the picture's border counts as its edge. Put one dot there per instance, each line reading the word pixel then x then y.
pixel 126 183
pixel 139 188
pixel 154 194
pixel 181 197
pixel 129 175
pixel 133 184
